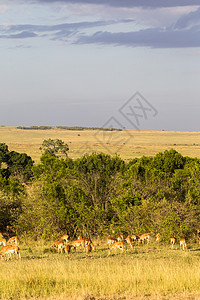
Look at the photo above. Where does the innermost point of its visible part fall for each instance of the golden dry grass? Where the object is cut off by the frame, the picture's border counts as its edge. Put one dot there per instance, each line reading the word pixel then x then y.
pixel 128 144
pixel 146 272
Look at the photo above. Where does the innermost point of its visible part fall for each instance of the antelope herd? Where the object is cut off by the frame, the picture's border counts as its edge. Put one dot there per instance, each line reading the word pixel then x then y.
pixel 63 246
pixel 10 248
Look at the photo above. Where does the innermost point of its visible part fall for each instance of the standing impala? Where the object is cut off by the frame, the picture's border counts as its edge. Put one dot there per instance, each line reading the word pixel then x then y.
pixel 9 251
pixel 145 237
pixel 173 242
pixel 158 237
pixel 183 244
pixel 135 238
pixel 76 243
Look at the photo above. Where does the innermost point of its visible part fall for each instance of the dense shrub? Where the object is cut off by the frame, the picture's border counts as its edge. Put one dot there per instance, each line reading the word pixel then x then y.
pixel 98 194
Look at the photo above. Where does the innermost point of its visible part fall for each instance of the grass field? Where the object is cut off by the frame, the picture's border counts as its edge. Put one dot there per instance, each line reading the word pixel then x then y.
pixel 146 272
pixel 128 144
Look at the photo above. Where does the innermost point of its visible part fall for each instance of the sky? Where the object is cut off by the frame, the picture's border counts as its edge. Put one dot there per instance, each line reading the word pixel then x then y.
pixel 131 64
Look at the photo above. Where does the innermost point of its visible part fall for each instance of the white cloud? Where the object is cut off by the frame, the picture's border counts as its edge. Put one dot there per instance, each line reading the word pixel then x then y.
pixel 158 17
pixel 189 20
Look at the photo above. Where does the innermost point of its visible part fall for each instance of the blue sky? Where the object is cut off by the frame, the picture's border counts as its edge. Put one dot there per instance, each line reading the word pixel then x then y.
pixel 82 63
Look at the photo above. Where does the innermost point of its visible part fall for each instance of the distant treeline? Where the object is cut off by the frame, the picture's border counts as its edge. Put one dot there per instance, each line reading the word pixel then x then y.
pixel 35 127
pixel 78 128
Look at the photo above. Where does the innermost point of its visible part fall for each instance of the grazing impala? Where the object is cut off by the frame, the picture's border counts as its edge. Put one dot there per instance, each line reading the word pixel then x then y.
pixel 110 241
pixel 9 251
pixel 3 242
pixel 13 240
pixel 67 250
pixel 173 241
pixel 129 241
pixel 59 245
pixel 145 237
pixel 64 237
pixel 88 249
pixel 158 237
pixel 183 244
pixel 119 245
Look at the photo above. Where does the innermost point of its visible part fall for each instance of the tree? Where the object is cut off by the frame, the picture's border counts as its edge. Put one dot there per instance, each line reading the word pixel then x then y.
pixel 168 161
pixel 96 174
pixel 55 147
pixel 20 165
pixel 15 164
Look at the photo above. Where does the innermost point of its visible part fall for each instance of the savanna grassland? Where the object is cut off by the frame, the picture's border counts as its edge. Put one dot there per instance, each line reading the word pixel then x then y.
pixel 128 144
pixel 146 272
pixel 152 186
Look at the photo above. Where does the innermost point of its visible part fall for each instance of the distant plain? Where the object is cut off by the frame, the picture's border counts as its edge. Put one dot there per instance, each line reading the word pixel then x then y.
pixel 127 143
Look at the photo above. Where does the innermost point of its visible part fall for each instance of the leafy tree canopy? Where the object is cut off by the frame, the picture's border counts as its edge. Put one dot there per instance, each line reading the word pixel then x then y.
pixel 15 164
pixel 55 147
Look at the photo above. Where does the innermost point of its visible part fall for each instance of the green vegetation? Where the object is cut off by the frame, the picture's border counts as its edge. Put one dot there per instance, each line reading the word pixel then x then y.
pixel 35 127
pixel 54 147
pixel 98 195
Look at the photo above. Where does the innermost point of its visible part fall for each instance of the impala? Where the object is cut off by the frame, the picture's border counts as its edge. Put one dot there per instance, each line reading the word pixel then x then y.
pixel 145 237
pixel 110 241
pixel 129 241
pixel 135 238
pixel 88 249
pixel 3 242
pixel 119 245
pixel 13 240
pixel 76 243
pixel 67 250
pixel 85 242
pixel 173 241
pixel 158 237
pixel 9 251
pixel 183 244
pixel 59 245
pixel 64 237
pixel 120 238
